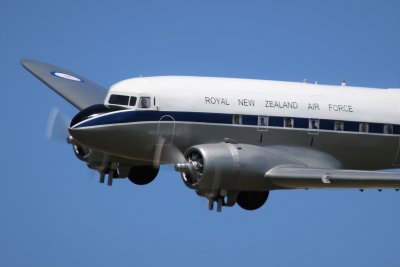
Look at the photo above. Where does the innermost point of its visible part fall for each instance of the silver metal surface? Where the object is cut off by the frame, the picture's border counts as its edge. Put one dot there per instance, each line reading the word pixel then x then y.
pixel 77 90
pixel 349 150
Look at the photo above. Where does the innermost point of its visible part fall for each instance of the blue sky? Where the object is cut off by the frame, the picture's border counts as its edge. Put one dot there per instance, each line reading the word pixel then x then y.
pixel 55 213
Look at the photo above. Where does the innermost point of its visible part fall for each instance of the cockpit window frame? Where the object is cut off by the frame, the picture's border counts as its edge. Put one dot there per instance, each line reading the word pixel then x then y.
pixel 148 102
pixel 116 99
pixel 134 101
pixel 130 101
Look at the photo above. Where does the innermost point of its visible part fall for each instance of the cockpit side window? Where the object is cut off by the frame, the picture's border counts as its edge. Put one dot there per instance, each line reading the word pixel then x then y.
pixel 119 100
pixel 132 101
pixel 145 102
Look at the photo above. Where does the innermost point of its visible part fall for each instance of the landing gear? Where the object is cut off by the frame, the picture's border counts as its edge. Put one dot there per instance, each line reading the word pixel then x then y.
pixel 252 200
pixel 111 170
pixel 227 199
pixel 102 177
pixel 220 203
pixel 142 175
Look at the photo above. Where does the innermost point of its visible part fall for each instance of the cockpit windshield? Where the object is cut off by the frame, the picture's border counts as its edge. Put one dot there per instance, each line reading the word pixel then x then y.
pixel 130 101
pixel 145 102
pixel 119 100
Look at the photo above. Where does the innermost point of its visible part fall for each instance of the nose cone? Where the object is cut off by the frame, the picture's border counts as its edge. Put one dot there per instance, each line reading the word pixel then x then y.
pixel 81 127
pixel 93 132
pixel 88 113
pixel 118 132
pixel 85 136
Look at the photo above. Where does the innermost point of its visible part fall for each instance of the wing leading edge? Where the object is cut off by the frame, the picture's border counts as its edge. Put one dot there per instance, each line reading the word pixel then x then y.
pixel 312 178
pixel 77 90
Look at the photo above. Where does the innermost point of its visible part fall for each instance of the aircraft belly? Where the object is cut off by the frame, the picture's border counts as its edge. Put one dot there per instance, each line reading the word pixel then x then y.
pixel 138 141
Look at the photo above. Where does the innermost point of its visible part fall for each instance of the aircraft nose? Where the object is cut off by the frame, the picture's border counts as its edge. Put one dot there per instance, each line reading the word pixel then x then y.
pixel 83 136
pixel 88 113
pixel 77 128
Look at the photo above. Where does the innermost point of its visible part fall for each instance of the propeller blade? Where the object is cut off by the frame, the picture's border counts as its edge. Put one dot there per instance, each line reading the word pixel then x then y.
pixel 57 125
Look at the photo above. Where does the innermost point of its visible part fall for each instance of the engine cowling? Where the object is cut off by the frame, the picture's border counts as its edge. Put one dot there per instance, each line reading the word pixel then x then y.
pixel 81 152
pixel 227 166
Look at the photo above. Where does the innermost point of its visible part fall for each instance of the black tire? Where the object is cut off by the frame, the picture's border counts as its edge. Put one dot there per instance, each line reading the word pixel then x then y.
pixel 142 175
pixel 252 200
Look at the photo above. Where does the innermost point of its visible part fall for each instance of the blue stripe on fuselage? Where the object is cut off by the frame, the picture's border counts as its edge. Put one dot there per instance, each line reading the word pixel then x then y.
pixel 131 116
pixel 155 116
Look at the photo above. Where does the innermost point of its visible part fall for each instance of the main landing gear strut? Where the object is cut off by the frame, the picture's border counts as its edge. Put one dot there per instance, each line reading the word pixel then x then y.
pixel 112 172
pixel 248 200
pixel 222 199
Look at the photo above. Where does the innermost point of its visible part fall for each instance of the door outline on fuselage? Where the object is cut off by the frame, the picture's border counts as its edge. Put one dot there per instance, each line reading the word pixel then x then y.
pixel 165 131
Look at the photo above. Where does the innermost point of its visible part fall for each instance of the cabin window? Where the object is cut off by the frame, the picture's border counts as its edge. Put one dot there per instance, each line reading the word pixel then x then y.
pixel 119 100
pixel 363 127
pixel 288 122
pixel 145 102
pixel 237 119
pixel 313 124
pixel 132 101
pixel 262 121
pixel 339 126
pixel 388 129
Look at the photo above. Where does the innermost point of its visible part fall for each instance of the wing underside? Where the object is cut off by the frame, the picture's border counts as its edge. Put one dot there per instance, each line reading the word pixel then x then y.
pixel 77 90
pixel 313 178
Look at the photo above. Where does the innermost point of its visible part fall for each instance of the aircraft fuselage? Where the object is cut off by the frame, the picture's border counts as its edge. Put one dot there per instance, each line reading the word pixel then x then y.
pixel 357 126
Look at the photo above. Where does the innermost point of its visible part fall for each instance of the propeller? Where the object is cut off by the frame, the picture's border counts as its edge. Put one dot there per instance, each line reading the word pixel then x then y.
pixel 57 130
pixel 57 125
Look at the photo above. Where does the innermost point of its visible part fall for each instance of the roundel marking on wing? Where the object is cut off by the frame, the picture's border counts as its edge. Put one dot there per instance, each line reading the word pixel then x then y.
pixel 66 76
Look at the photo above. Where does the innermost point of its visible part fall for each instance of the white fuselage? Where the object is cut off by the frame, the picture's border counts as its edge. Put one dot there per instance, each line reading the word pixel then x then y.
pixel 357 126
pixel 270 98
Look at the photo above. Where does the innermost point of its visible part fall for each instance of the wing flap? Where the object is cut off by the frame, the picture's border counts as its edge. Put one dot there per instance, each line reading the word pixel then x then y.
pixel 301 177
pixel 77 90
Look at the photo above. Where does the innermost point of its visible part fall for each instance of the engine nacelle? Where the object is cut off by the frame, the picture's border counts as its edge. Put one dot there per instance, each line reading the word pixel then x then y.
pixel 81 152
pixel 94 159
pixel 227 166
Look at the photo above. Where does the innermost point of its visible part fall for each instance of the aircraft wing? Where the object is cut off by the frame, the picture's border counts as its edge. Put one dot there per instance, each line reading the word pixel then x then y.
pixel 77 90
pixel 285 176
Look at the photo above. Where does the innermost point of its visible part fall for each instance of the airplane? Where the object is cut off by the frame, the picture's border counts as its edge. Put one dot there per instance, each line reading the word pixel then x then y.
pixel 232 140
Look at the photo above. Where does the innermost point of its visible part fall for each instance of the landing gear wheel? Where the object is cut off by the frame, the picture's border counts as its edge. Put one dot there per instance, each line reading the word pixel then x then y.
pixel 252 200
pixel 142 175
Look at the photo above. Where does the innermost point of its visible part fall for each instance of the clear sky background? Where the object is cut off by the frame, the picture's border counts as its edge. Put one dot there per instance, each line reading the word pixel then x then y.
pixel 53 211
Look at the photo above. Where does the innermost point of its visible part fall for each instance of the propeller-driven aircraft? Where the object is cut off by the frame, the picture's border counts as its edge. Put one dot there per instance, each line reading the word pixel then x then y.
pixel 232 140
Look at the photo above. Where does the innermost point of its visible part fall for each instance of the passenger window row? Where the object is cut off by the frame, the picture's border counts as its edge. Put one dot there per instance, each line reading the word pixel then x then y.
pixel 314 124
